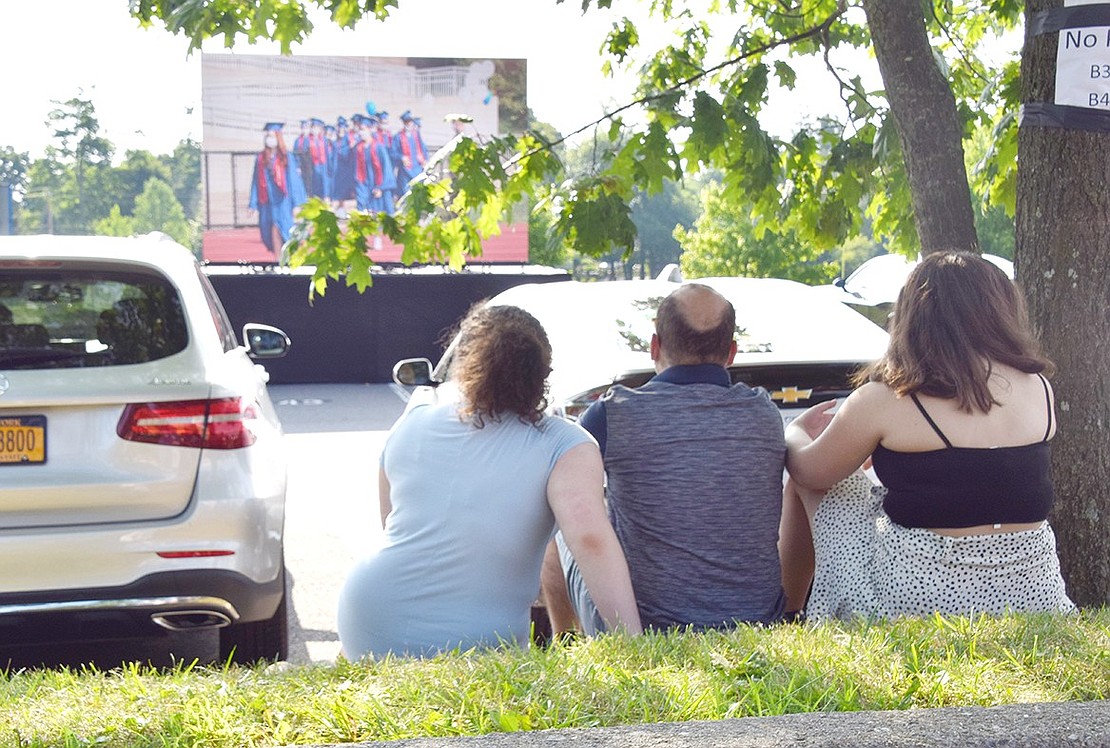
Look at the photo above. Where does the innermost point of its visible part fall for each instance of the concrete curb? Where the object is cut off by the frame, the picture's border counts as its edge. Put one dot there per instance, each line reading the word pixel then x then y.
pixel 1071 724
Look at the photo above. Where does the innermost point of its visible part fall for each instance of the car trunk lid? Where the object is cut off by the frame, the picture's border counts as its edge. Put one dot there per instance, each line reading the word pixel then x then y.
pixel 83 472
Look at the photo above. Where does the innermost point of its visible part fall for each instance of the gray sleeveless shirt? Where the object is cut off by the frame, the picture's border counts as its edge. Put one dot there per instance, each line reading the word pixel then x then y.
pixel 695 494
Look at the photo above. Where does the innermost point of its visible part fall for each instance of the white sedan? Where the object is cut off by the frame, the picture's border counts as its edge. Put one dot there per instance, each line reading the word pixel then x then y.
pixel 792 340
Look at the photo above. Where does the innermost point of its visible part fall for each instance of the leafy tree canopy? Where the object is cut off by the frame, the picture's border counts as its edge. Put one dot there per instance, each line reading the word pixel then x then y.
pixel 156 209
pixel 13 168
pixel 75 189
pixel 138 168
pixel 702 101
pixel 725 242
pixel 115 224
pixel 77 130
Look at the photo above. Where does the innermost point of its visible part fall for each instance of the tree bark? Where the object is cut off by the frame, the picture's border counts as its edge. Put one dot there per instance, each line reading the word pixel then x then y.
pixel 1062 257
pixel 924 111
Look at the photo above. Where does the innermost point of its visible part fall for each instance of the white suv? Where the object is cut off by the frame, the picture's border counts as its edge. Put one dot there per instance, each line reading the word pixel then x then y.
pixel 142 468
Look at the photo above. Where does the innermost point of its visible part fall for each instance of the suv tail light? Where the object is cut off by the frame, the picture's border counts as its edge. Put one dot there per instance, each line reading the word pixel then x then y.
pixel 207 424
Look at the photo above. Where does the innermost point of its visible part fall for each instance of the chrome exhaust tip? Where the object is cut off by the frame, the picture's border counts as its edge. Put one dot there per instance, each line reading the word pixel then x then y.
pixel 188 620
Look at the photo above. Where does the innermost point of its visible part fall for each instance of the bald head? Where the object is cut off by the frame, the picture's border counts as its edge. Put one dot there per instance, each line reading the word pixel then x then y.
pixel 695 325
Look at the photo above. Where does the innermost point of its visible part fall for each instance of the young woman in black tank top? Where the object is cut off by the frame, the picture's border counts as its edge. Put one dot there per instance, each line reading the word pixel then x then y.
pixel 957 416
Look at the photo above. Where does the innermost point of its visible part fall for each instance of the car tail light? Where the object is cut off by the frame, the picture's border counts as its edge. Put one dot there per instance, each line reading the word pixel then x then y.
pixel 207 424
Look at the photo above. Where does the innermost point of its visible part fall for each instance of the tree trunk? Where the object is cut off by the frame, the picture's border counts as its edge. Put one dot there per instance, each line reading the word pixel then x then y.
pixel 1062 257
pixel 924 110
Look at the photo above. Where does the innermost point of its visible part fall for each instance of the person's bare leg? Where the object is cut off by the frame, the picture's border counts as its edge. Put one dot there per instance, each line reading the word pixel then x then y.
pixel 553 592
pixel 795 547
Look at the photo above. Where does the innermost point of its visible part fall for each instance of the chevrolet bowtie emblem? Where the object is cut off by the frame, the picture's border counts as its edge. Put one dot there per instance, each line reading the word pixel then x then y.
pixel 791 395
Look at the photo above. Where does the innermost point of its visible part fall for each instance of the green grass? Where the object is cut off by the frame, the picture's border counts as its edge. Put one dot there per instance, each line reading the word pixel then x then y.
pixel 608 681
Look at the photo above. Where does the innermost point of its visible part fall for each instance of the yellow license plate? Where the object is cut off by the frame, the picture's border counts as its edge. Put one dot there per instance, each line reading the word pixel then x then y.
pixel 22 440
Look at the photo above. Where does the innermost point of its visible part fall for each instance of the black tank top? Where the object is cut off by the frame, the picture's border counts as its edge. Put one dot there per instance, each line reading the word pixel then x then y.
pixel 967 486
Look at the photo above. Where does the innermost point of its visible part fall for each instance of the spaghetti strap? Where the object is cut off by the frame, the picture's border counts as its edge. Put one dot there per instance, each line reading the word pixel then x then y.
pixel 1048 407
pixel 943 438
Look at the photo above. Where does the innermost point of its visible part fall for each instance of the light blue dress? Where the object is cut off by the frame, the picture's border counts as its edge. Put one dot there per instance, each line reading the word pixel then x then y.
pixel 465 538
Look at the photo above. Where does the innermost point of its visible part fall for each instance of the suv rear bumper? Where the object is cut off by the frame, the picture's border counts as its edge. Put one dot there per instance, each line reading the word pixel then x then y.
pixel 163 601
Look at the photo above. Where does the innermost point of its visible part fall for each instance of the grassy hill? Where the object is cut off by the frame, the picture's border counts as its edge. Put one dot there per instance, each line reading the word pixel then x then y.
pixel 670 677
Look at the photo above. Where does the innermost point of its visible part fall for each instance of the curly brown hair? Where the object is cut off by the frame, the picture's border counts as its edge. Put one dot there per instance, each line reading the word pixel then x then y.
pixel 501 363
pixel 956 315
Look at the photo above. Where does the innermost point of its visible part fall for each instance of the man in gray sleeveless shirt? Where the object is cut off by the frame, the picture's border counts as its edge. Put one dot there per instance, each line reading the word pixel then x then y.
pixel 694 466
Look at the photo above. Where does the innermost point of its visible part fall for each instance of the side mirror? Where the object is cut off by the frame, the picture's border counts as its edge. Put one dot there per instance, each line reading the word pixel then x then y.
pixel 413 372
pixel 263 341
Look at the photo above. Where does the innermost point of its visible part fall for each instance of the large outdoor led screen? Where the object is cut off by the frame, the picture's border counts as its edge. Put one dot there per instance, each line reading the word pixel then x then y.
pixel 350 130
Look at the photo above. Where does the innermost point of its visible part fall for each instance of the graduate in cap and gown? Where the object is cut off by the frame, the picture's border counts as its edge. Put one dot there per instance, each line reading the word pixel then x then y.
pixel 383 174
pixel 276 189
pixel 300 152
pixel 318 146
pixel 363 182
pixel 331 135
pixel 343 187
pixel 409 151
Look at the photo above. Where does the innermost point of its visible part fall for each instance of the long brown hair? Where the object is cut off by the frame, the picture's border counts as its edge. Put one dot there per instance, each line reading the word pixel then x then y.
pixel 501 364
pixel 956 315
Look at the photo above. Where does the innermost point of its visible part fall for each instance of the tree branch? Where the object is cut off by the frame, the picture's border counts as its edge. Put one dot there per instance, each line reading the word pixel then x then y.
pixel 821 28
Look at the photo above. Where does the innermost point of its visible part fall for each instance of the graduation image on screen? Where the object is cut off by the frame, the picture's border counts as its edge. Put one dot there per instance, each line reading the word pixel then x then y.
pixel 351 131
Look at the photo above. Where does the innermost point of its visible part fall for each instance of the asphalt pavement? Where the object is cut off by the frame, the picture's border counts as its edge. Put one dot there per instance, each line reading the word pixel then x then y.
pixel 1054 725
pixel 334 434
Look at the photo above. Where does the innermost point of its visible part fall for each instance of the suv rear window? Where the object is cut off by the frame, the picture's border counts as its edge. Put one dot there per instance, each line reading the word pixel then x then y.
pixel 68 318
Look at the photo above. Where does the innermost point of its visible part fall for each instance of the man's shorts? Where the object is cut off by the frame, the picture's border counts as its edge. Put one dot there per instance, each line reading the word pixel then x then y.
pixel 588 617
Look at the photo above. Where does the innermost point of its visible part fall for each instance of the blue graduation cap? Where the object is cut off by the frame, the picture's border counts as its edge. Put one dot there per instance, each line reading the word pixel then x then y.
pixel 406 116
pixel 383 116
pixel 341 121
pixel 317 121
pixel 273 126
pixel 358 119
pixel 372 119
pixel 329 128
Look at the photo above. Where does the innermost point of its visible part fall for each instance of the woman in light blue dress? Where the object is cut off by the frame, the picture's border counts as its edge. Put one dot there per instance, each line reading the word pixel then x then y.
pixel 471 489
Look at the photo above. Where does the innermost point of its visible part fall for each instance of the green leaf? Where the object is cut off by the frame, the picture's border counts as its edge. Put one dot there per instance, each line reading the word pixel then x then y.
pixel 358 273
pixel 786 75
pixel 345 13
pixel 752 91
pixel 708 129
pixel 657 161
pixel 621 40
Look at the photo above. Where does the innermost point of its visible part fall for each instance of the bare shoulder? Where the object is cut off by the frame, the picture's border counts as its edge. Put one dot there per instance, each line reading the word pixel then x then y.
pixel 873 409
pixel 1010 385
pixel 873 396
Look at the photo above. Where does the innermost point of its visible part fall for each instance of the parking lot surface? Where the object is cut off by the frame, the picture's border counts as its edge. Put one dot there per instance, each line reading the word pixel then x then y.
pixel 334 433
pixel 1071 725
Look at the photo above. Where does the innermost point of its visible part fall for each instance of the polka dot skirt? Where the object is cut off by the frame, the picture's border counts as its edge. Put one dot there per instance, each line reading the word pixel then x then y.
pixel 868 565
